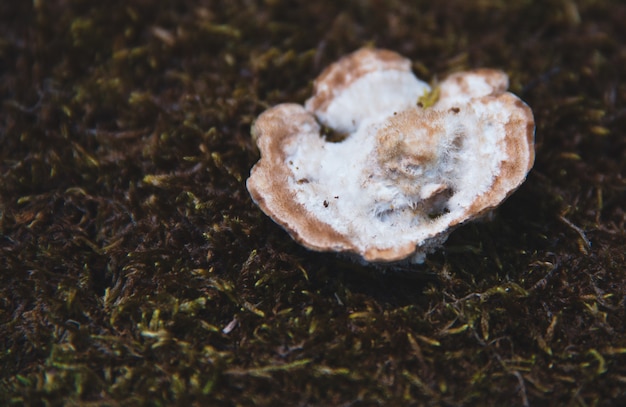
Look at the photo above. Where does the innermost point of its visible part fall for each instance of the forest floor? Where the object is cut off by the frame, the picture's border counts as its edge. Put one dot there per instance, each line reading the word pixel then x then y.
pixel 136 270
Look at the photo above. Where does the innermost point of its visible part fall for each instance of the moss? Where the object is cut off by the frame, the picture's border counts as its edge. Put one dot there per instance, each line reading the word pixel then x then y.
pixel 135 270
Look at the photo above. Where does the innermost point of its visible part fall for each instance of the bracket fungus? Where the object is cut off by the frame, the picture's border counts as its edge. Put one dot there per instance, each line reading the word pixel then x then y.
pixel 403 175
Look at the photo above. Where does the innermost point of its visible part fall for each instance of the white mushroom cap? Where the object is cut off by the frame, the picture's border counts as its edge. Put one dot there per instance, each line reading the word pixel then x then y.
pixel 404 176
pixel 367 85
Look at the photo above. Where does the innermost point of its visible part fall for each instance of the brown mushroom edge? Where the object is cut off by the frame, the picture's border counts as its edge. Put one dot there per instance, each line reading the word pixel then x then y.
pixel 347 70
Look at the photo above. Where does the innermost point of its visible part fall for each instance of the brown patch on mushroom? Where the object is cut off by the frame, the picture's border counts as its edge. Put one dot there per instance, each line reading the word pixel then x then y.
pixel 476 83
pixel 378 255
pixel 497 79
pixel 409 139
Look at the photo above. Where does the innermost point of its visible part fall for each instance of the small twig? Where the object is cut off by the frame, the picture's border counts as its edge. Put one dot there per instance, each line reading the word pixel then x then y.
pixel 578 230
pixel 543 281
pixel 522 388
pixel 520 379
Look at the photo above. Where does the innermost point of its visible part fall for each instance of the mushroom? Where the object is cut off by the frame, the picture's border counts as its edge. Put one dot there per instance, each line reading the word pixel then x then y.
pixel 403 175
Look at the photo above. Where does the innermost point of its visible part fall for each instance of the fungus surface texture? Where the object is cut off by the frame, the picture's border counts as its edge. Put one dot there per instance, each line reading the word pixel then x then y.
pixel 404 173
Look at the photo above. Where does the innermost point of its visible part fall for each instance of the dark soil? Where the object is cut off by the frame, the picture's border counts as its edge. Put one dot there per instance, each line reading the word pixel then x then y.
pixel 136 270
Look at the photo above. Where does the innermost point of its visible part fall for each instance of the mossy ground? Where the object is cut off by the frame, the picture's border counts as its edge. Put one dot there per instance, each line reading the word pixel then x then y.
pixel 135 270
